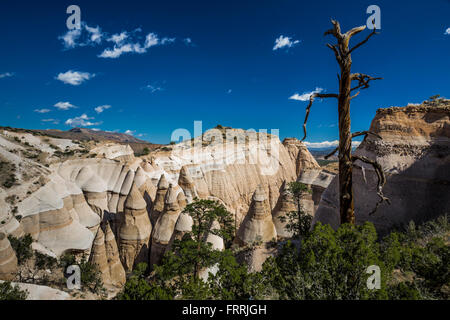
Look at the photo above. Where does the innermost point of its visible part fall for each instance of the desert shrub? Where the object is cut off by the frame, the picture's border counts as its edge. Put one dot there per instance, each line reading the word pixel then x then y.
pixel 298 222
pixel 22 247
pixel 10 292
pixel 90 273
pixel 329 265
pixel 44 262
pixel 138 287
pixel 10 181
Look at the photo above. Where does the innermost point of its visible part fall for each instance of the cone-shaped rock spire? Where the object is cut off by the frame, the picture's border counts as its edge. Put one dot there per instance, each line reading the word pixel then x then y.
pixel 8 259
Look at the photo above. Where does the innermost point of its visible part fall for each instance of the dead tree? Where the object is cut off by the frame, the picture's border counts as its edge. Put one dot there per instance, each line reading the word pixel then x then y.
pixel 343 56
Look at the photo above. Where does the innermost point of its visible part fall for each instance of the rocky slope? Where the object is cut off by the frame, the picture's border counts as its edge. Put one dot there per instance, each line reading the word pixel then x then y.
pixel 415 154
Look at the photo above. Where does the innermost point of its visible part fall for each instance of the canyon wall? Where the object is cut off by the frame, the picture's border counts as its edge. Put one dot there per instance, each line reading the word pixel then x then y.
pixel 414 153
pixel 120 210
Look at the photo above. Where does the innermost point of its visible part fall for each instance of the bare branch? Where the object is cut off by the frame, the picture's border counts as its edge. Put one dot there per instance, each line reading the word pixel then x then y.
pixel 354 31
pixel 308 108
pixel 363 81
pixel 365 133
pixel 381 179
pixel 364 41
pixel 336 52
pixel 331 153
pixel 326 95
pixel 355 95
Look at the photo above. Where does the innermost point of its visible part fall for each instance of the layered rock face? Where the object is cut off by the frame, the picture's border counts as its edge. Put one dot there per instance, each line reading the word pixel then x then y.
pixel 8 259
pixel 231 170
pixel 414 152
pixel 300 155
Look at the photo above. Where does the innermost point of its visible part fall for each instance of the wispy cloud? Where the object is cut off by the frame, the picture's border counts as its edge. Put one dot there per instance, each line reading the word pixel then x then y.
pixel 121 47
pixel 166 40
pixel 54 121
pixel 124 42
pixel 82 121
pixel 305 95
pixel 328 144
pixel 130 132
pixel 84 36
pixel 447 32
pixel 42 110
pixel 64 106
pixel 284 42
pixel 118 38
pixel 6 75
pixel 100 109
pixel 188 42
pixel 153 88
pixel 74 78
pixel 96 34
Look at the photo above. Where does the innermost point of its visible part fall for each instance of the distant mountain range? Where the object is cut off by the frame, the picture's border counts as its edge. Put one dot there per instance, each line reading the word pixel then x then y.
pixel 83 134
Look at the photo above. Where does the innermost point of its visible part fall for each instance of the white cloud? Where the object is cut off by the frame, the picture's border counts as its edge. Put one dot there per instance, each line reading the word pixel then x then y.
pixel 116 51
pixel 447 32
pixel 229 91
pixel 42 110
pixel 188 41
pixel 151 40
pixel 54 121
pixel 120 47
pixel 100 109
pixel 282 42
pixel 118 38
pixel 64 105
pixel 96 34
pixel 84 36
pixel 70 38
pixel 328 144
pixel 305 95
pixel 81 121
pixel 6 75
pixel 124 42
pixel 74 78
pixel 130 132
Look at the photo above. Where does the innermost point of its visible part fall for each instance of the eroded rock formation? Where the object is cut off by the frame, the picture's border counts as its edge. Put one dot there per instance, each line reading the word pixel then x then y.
pixel 414 152
pixel 258 225
pixel 285 205
pixel 8 259
pixel 135 230
pixel 106 205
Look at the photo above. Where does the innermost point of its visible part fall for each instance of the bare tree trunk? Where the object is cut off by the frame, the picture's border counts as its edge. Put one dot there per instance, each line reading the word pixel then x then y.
pixel 343 57
pixel 345 145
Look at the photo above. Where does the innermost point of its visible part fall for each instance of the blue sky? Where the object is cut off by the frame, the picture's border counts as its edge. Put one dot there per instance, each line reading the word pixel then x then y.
pixel 227 73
